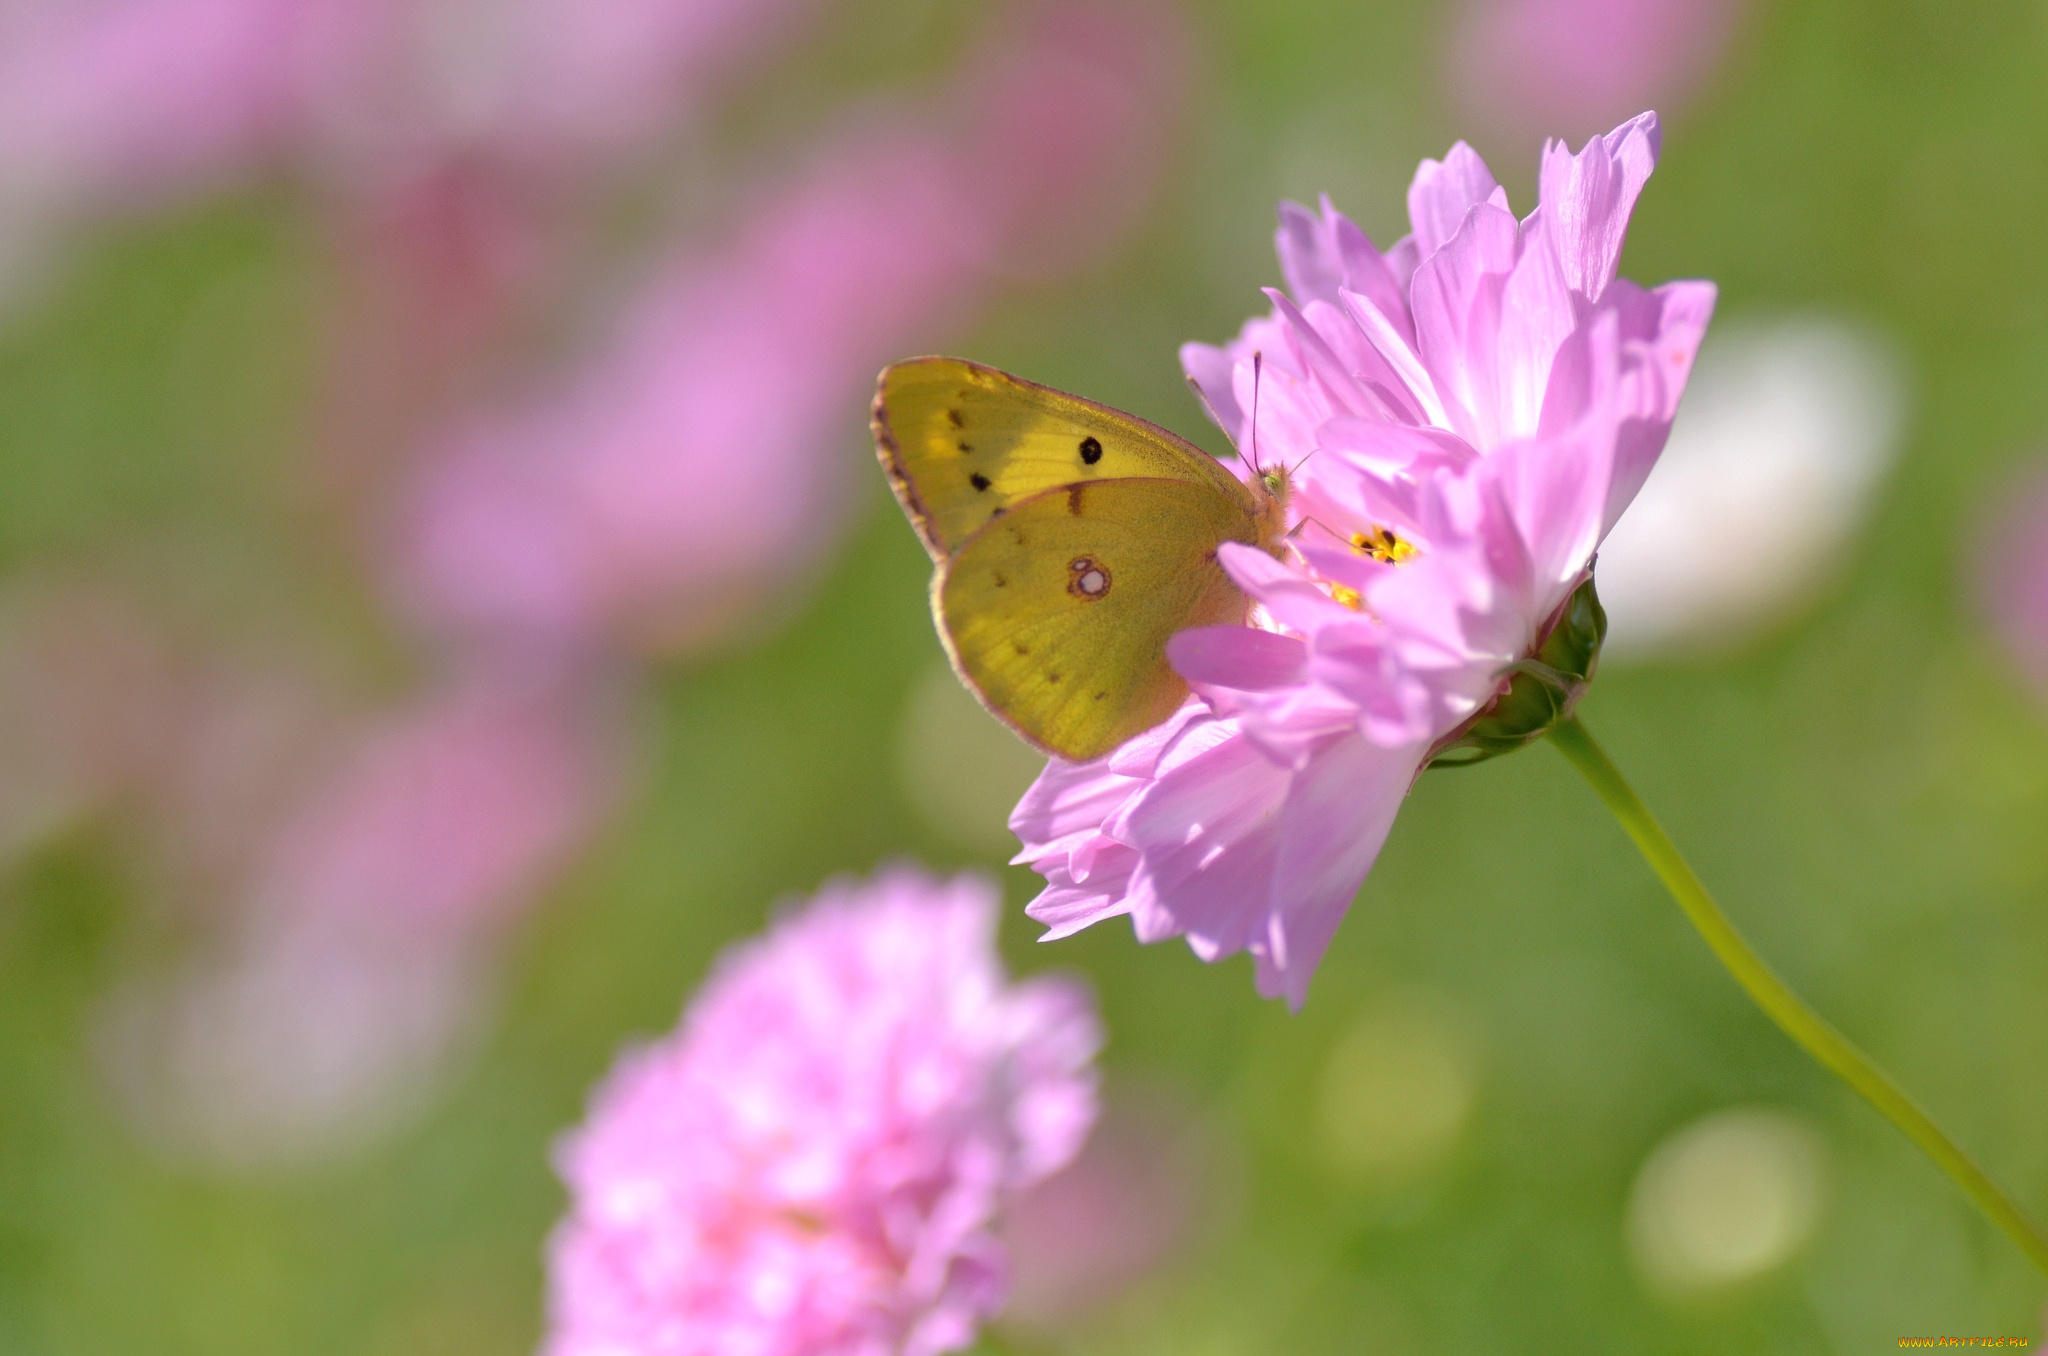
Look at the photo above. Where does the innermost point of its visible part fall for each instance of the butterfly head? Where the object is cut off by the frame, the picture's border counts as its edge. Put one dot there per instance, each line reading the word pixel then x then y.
pixel 1271 487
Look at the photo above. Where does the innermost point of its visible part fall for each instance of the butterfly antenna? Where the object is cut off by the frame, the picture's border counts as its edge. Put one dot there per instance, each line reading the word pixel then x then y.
pixel 1209 408
pixel 1308 520
pixel 1258 368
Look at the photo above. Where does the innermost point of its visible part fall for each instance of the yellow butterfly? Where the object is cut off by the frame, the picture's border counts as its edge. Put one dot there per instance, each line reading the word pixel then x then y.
pixel 1072 541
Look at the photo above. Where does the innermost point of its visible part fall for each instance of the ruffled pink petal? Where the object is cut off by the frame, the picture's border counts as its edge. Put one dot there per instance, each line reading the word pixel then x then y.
pixel 1337 815
pixel 1457 300
pixel 1347 391
pixel 1242 657
pixel 1631 358
pixel 1396 346
pixel 1323 256
pixel 1208 834
pixel 1556 491
pixel 1293 601
pixel 1442 192
pixel 1588 198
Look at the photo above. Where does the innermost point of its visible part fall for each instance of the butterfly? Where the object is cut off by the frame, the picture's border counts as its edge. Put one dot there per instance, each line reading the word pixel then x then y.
pixel 1071 541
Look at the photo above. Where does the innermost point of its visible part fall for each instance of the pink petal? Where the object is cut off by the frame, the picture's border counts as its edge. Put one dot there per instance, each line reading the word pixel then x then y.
pixel 1336 817
pixel 1443 192
pixel 1457 294
pixel 1323 256
pixel 1588 198
pixel 1242 657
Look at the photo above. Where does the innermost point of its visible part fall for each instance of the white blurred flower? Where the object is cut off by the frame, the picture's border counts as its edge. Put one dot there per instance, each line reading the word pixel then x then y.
pixel 1725 1199
pixel 1787 430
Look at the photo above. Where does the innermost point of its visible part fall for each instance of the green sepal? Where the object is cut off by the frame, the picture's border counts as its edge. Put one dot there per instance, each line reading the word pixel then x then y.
pixel 1542 691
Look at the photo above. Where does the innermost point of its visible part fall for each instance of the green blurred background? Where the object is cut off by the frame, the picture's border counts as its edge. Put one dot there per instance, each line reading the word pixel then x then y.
pixel 1866 786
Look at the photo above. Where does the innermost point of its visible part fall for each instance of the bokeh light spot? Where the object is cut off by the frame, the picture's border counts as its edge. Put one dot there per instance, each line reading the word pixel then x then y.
pixel 1396 1092
pixel 1726 1199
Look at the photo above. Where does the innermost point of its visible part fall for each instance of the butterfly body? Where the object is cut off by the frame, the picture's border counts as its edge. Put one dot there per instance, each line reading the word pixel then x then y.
pixel 1070 540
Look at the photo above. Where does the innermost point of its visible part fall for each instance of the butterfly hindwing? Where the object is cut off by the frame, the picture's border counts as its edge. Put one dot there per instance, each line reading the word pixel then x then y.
pixel 1057 614
pixel 965 444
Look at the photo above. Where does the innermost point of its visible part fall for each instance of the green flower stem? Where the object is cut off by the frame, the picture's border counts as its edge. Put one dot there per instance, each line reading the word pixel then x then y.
pixel 1783 1006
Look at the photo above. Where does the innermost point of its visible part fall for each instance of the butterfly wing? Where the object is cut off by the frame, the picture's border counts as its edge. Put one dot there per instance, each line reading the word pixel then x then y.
pixel 964 444
pixel 1058 613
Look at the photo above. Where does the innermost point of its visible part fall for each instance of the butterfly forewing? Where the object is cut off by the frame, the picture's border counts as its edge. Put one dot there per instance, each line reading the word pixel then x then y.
pixel 1057 614
pixel 965 444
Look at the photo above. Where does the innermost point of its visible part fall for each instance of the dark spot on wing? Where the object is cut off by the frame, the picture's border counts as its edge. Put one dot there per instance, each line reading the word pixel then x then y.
pixel 1091 451
pixel 954 416
pixel 1052 677
pixel 966 446
pixel 1087 580
pixel 1100 695
pixel 1074 499
pixel 1021 649
pixel 979 481
pixel 1001 582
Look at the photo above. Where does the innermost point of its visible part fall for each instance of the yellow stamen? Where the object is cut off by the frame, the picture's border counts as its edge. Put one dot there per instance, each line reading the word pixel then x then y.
pixel 1382 545
pixel 1347 596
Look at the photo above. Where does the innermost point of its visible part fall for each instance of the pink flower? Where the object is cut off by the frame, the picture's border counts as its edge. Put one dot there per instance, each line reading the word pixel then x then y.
pixel 621 501
pixel 104 100
pixel 1467 415
pixel 553 85
pixel 698 460
pixel 348 960
pixel 812 1164
pixel 442 822
pixel 1579 64
pixel 107 97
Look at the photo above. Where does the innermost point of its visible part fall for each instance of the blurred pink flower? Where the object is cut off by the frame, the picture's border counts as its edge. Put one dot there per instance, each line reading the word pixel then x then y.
pixel 107 101
pixel 330 996
pixel 442 819
pixel 2012 576
pixel 812 1164
pixel 549 86
pixel 113 98
pixel 686 471
pixel 1482 402
pixel 1574 66
pixel 704 456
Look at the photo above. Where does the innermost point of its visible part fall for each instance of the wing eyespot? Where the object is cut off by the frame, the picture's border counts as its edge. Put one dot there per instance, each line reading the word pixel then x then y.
pixel 1091 450
pixel 1086 579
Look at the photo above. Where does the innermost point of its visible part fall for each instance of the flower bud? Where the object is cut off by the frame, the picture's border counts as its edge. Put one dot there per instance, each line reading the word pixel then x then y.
pixel 1541 690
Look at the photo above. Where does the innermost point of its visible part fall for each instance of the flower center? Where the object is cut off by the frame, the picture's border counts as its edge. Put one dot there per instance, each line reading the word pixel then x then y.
pixel 1382 545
